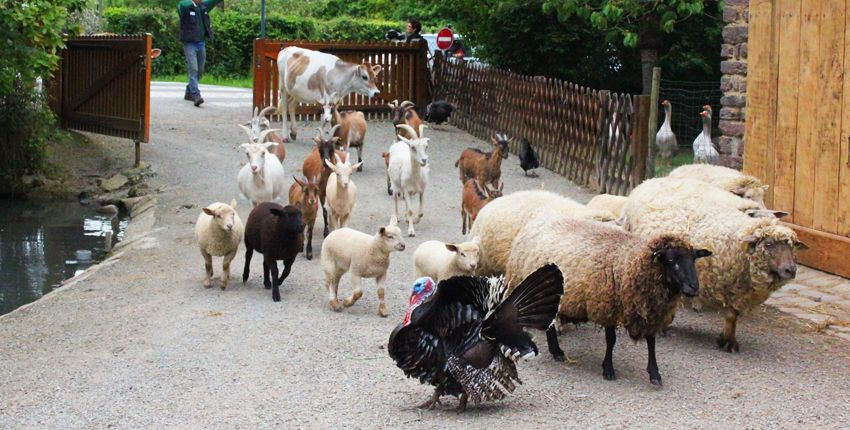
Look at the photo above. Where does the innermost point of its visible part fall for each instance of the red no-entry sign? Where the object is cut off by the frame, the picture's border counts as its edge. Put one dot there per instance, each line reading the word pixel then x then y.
pixel 445 38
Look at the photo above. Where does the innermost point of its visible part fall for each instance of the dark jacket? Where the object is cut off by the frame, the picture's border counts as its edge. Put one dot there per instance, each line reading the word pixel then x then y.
pixel 195 20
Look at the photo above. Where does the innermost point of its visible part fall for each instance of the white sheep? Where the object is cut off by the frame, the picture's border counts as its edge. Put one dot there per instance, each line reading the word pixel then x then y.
pixel 731 180
pixel 364 256
pixel 262 178
pixel 341 192
pixel 219 231
pixel 408 172
pixel 440 260
pixel 686 191
pixel 500 220
pixel 608 202
pixel 611 277
pixel 752 256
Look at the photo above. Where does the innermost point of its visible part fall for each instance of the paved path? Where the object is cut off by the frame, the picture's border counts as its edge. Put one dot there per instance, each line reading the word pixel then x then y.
pixel 141 344
pixel 819 298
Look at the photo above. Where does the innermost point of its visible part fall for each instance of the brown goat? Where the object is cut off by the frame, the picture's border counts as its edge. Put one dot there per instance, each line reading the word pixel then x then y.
pixel 307 193
pixel 484 166
pixel 404 113
pixel 386 156
pixel 314 165
pixel 476 197
pixel 351 131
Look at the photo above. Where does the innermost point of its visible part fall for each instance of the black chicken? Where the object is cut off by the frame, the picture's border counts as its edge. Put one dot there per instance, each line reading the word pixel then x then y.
pixel 528 159
pixel 463 337
pixel 438 112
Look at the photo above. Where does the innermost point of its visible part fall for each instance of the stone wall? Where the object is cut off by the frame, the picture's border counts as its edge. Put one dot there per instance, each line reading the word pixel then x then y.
pixel 733 83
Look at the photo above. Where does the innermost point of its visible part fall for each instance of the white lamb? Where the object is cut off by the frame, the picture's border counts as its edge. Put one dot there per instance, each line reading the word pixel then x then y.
pixel 364 256
pixel 219 231
pixel 440 260
pixel 408 172
pixel 262 179
pixel 500 221
pixel 731 180
pixel 341 191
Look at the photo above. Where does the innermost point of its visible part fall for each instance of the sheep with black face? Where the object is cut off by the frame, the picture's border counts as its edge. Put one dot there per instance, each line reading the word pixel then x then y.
pixel 611 277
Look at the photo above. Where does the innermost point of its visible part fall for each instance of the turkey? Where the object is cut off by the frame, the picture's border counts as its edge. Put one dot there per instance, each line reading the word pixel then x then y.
pixel 704 150
pixel 665 140
pixel 528 159
pixel 438 112
pixel 463 336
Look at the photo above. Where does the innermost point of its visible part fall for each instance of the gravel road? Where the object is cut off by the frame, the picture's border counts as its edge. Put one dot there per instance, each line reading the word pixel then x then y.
pixel 141 344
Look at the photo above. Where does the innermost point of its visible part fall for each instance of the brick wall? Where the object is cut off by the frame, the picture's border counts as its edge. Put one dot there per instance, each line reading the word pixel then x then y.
pixel 733 83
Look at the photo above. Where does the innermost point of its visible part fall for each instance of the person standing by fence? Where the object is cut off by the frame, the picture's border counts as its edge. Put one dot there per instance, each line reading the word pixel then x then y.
pixel 195 29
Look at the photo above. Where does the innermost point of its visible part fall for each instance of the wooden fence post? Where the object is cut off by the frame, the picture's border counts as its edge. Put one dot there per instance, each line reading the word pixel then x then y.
pixel 600 178
pixel 653 122
pixel 640 139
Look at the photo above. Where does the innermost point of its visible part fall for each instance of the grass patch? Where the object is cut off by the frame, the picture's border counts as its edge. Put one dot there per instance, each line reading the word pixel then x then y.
pixel 243 82
pixel 683 156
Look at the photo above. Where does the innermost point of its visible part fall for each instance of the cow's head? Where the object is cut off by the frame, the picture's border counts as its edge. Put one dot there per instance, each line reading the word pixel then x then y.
pixel 365 81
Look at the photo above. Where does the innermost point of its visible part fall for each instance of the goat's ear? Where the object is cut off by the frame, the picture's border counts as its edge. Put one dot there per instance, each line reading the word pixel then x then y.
pixel 276 212
pixel 800 246
pixel 208 211
pixel 501 186
pixel 359 163
pixel 233 203
pixel 382 231
pixel 300 182
pixel 244 145
pixel 451 247
pixel 376 69
pixel 335 140
pixel 702 253
pixel 318 140
pixel 393 220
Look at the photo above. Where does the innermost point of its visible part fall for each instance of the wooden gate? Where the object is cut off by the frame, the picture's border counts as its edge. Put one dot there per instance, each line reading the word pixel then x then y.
pixel 404 77
pixel 798 120
pixel 102 85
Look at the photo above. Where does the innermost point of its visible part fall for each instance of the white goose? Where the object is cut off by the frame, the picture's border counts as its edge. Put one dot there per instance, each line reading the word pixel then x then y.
pixel 704 150
pixel 665 140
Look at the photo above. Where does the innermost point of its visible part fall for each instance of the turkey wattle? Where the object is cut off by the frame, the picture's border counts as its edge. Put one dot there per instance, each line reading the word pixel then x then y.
pixel 463 337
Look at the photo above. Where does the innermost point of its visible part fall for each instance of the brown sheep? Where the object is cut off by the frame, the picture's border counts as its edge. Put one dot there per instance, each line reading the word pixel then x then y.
pixel 484 166
pixel 615 278
pixel 314 165
pixel 474 198
pixel 306 192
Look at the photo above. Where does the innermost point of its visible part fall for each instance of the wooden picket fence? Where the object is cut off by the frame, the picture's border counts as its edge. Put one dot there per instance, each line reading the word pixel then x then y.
pixel 595 138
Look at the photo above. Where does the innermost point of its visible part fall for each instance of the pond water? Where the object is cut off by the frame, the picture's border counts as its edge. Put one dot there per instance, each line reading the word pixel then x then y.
pixel 42 244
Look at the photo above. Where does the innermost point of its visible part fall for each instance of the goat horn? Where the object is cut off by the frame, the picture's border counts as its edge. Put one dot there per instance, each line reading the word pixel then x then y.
pixel 422 128
pixel 265 134
pixel 408 129
pixel 332 131
pixel 321 132
pixel 393 104
pixel 247 130
pixel 266 110
pixel 407 103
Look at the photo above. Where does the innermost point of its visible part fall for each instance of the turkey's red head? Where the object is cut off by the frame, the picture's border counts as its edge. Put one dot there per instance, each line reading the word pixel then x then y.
pixel 423 288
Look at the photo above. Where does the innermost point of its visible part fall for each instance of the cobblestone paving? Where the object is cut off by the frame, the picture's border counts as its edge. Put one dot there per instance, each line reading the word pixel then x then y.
pixel 819 298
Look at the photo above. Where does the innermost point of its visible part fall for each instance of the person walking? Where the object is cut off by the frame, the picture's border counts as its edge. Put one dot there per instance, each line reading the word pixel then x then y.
pixel 195 29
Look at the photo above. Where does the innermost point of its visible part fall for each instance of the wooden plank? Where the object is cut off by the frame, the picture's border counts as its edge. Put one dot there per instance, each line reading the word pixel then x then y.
pixel 805 156
pixel 829 116
pixel 758 89
pixel 843 227
pixel 146 91
pixel 772 95
pixel 827 252
pixel 785 140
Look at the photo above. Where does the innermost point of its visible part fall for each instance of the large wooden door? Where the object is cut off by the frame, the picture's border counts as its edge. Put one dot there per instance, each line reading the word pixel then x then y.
pixel 798 120
pixel 102 85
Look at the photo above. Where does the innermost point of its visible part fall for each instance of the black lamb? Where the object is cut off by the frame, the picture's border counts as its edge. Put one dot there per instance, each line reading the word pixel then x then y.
pixel 438 112
pixel 277 232
pixel 463 337
pixel 528 159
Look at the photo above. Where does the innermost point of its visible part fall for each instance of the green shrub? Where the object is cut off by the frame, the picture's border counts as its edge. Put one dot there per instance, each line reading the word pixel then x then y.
pixel 230 53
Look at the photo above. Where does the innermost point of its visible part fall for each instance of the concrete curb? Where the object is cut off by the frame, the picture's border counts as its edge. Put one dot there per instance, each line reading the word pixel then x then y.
pixel 136 236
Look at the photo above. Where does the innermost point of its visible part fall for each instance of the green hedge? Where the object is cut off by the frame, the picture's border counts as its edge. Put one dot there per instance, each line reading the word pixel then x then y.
pixel 230 54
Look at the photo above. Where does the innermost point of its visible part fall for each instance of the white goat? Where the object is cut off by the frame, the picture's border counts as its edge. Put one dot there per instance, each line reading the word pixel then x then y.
pixel 341 192
pixel 262 179
pixel 408 172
